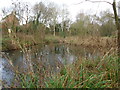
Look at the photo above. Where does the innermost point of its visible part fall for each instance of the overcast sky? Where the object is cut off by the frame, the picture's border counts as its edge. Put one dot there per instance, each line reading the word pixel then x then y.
pixel 73 6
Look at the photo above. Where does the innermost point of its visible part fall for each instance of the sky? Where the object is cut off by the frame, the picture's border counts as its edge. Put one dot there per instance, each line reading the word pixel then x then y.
pixel 73 7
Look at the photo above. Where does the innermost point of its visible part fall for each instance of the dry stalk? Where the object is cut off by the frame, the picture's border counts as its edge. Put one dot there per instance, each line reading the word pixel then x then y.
pixel 65 81
pixel 101 62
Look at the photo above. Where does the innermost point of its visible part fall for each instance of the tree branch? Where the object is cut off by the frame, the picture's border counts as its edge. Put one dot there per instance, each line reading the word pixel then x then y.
pixel 94 2
pixel 79 3
pixel 99 1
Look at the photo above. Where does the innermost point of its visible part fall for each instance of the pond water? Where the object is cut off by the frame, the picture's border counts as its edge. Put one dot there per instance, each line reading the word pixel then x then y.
pixel 54 55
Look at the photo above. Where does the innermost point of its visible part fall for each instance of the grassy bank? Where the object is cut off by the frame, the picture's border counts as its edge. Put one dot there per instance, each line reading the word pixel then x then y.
pixel 99 73
pixel 100 43
pixel 28 40
pixel 14 42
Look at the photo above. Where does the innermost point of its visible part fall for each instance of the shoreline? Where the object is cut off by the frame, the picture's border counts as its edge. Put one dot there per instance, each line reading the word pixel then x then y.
pixel 91 42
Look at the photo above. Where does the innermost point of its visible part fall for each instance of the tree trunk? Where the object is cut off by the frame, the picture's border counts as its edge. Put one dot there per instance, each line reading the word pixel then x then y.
pixel 117 25
pixel 54 31
pixel 118 38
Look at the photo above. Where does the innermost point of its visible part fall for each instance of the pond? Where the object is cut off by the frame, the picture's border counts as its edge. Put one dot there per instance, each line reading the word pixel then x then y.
pixel 54 55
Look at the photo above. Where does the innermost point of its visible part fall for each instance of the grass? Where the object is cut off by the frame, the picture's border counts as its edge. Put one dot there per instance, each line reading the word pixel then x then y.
pixel 83 73
pixel 52 39
pixel 87 74
pixel 29 81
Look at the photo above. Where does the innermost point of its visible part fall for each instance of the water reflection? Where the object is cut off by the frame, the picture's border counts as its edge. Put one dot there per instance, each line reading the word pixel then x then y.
pixel 6 72
pixel 53 55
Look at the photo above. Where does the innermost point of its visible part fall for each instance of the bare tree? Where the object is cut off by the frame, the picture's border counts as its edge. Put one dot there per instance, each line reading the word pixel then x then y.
pixel 64 16
pixel 40 11
pixel 46 14
pixel 54 14
pixel 22 10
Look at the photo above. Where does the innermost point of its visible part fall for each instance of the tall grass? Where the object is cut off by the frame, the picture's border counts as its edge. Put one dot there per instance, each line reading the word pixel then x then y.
pixel 87 74
pixel 83 73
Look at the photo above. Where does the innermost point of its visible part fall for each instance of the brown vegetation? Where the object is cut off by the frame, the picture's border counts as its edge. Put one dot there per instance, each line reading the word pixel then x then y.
pixel 103 42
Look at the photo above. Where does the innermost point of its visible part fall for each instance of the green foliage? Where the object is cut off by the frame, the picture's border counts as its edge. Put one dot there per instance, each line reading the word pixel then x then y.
pixel 81 25
pixel 29 81
pixel 108 25
pixel 102 25
pixel 107 28
pixel 58 28
pixel 62 33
